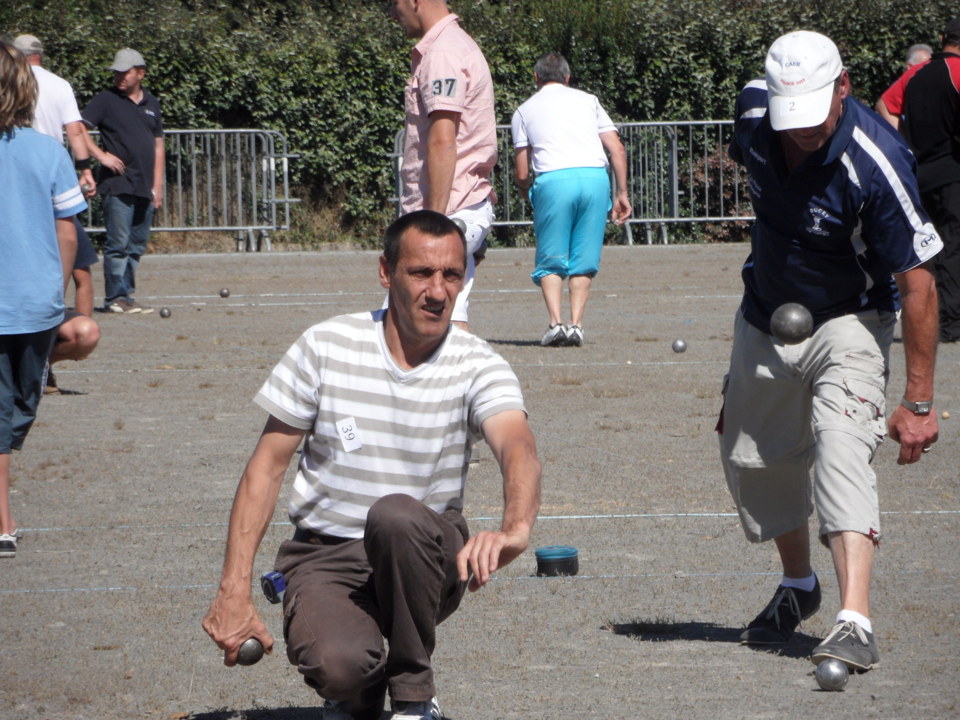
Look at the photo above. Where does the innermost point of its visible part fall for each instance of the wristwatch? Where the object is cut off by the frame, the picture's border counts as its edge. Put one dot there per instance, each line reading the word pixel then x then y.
pixel 918 408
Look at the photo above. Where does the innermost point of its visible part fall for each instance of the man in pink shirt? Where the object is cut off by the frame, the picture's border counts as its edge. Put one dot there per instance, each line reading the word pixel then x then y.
pixel 451 132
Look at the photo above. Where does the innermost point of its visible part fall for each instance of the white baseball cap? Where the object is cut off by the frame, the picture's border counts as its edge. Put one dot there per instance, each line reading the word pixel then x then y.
pixel 126 59
pixel 801 69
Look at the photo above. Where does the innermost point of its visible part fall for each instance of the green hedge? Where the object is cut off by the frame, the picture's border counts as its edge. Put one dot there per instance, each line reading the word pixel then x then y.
pixel 329 74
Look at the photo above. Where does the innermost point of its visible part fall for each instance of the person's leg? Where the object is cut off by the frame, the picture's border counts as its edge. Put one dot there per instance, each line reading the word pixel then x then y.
pixel 117 219
pixel 553 214
pixel 794 550
pixel 140 223
pixel 849 400
pixel 586 237
pixel 766 446
pixel 331 624
pixel 412 551
pixel 478 220
pixel 943 204
pixel 8 395
pixel 853 560
pixel 23 360
pixel 552 288
pixel 579 293
pixel 7 524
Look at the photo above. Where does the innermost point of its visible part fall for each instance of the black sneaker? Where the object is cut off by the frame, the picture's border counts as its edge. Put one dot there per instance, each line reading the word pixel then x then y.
pixel 776 623
pixel 851 644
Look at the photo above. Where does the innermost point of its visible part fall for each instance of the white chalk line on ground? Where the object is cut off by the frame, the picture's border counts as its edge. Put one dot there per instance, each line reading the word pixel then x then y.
pixel 669 575
pixel 676 574
pixel 479 518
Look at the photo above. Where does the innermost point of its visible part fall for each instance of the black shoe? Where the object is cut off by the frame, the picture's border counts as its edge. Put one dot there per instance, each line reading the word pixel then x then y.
pixel 776 623
pixel 851 644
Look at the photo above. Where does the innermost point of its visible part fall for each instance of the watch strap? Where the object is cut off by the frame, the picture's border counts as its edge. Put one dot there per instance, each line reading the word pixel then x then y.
pixel 924 407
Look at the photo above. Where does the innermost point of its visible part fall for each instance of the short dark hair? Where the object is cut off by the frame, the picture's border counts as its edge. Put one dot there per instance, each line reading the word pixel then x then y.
pixel 427 222
pixel 552 67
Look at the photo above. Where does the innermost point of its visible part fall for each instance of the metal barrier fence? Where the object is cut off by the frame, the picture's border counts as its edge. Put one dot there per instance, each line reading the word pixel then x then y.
pixel 222 181
pixel 677 172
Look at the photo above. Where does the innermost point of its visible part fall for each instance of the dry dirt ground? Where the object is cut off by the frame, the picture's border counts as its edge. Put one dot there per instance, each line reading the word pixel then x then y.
pixel 124 487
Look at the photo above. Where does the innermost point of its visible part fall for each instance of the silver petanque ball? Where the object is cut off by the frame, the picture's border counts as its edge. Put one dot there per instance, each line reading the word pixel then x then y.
pixel 224 292
pixel 250 652
pixel 165 312
pixel 679 345
pixel 832 674
pixel 791 323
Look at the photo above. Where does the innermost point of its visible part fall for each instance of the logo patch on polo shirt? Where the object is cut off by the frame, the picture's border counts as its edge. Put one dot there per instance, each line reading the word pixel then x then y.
pixel 818 215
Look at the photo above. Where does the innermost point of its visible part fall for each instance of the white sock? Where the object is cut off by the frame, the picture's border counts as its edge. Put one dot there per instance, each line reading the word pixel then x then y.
pixel 854 616
pixel 806 584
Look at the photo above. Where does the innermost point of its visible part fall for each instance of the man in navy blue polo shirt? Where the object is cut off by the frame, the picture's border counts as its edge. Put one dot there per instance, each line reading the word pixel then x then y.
pixel 839 229
pixel 130 177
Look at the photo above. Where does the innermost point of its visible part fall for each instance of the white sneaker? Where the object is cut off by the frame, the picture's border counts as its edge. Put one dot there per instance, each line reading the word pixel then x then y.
pixel 423 710
pixel 8 544
pixel 555 336
pixel 574 336
pixel 333 710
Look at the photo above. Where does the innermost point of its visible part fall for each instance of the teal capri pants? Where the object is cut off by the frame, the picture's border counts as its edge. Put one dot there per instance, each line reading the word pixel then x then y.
pixel 570 209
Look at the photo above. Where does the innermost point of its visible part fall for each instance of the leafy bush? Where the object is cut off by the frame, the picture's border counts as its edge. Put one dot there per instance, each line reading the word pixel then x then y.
pixel 329 74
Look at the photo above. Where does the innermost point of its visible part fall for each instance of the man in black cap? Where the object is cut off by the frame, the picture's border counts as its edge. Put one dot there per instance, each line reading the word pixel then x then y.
pixel 130 177
pixel 931 125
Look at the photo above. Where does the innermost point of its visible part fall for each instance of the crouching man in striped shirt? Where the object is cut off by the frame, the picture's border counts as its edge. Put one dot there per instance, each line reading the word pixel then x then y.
pixel 387 405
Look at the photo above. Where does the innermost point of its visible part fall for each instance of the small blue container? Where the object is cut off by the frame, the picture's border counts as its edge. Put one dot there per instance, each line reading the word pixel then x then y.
pixel 554 560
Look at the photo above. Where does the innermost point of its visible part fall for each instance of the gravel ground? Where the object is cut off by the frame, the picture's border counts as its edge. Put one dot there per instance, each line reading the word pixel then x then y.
pixel 125 485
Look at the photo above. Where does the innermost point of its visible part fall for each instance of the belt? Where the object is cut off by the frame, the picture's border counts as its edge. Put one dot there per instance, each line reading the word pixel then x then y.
pixel 308 536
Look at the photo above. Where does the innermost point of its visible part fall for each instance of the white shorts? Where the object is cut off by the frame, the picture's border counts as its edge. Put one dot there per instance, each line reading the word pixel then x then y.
pixel 478 219
pixel 791 408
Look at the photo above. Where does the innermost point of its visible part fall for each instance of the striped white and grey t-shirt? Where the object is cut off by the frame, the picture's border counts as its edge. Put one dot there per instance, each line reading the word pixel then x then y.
pixel 374 429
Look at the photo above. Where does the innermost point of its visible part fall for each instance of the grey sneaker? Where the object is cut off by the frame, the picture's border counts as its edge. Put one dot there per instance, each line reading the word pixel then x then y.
pixel 423 710
pixel 120 305
pixel 851 644
pixel 555 336
pixel 8 545
pixel 136 307
pixel 574 336
pixel 777 621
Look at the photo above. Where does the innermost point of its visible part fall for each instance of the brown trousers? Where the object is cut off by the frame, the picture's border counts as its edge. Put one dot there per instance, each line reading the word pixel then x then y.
pixel 344 597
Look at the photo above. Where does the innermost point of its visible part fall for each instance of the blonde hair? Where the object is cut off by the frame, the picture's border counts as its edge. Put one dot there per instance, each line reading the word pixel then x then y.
pixel 18 89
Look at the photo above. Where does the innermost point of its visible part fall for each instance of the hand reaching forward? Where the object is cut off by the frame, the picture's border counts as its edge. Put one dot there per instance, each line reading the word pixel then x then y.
pixel 486 552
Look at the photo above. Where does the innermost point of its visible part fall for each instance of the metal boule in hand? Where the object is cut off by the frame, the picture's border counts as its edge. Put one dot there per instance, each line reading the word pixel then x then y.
pixel 250 652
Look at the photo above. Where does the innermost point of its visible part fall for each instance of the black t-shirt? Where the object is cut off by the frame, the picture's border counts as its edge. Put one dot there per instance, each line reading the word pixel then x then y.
pixel 931 121
pixel 129 131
